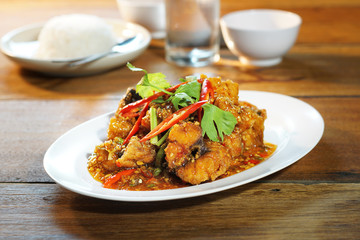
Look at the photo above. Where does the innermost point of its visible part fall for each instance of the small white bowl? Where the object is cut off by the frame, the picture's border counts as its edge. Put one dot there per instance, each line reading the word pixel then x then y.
pixel 260 37
pixel 148 13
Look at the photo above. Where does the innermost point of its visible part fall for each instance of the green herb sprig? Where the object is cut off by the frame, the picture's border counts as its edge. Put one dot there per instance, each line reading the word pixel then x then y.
pixel 217 122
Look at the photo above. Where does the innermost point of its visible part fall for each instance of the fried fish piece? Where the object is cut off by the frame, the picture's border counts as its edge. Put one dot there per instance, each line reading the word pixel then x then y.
pixel 185 142
pixel 207 167
pixel 137 153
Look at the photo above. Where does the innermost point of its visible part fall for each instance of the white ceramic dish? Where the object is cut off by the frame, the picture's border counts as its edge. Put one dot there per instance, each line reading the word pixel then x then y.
pixel 20 46
pixel 260 37
pixel 294 126
pixel 147 13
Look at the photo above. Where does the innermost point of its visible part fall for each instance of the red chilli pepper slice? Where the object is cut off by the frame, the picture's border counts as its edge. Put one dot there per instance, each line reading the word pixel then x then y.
pixel 207 93
pixel 113 179
pixel 134 112
pixel 136 126
pixel 170 121
pixel 263 154
pixel 141 102
pixel 253 161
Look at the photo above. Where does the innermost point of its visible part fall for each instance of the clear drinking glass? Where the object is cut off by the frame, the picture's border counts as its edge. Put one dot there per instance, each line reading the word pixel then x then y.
pixel 192 32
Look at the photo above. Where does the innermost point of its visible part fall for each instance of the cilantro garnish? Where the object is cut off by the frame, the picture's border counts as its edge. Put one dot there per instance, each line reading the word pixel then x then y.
pixel 217 122
pixel 181 99
pixel 192 89
pixel 150 82
pixel 186 94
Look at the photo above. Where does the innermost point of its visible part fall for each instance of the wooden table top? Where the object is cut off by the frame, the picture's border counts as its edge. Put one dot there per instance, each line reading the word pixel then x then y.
pixel 318 197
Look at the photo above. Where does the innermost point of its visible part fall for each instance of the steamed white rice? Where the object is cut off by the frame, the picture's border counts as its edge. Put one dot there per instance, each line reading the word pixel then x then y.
pixel 74 36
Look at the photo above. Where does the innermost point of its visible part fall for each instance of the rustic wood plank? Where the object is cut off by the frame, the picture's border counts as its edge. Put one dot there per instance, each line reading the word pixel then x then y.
pixel 327 49
pixel 316 198
pixel 316 23
pixel 29 128
pixel 281 211
pixel 334 41
pixel 230 5
pixel 300 74
pixel 338 149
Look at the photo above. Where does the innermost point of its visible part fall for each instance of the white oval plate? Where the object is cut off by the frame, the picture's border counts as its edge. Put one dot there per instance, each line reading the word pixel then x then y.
pixel 293 125
pixel 21 44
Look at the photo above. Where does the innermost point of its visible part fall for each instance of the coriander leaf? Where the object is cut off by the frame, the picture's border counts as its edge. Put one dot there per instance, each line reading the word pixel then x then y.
pixel 159 100
pixel 186 94
pixel 135 69
pixel 192 89
pixel 150 82
pixel 181 99
pixel 217 122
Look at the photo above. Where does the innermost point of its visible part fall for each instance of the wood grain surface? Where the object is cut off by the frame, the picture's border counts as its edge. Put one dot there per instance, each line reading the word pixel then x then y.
pixel 318 197
pixel 253 211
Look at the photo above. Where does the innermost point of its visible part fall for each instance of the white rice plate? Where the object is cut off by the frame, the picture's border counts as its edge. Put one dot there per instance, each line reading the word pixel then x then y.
pixel 74 36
